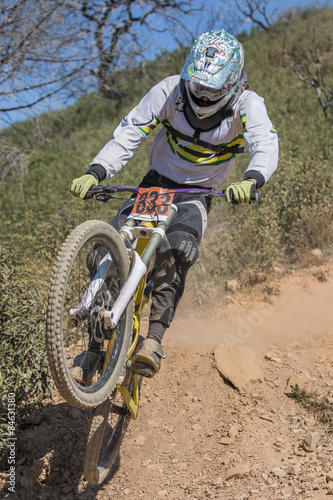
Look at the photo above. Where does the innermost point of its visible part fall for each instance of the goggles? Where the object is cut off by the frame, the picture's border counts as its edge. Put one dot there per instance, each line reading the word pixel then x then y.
pixel 199 90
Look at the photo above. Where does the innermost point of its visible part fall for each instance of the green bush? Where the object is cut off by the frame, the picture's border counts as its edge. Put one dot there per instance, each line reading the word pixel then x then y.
pixel 23 364
pixel 292 216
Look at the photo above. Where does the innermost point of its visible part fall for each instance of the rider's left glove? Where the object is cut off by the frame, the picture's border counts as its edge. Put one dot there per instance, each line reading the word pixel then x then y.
pixel 241 192
pixel 81 185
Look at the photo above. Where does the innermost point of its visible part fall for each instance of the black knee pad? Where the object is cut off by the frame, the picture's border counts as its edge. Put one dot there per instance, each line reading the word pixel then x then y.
pixel 184 247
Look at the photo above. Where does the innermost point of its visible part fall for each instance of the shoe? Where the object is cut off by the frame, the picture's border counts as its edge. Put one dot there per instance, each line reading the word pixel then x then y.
pixel 84 365
pixel 94 258
pixel 147 360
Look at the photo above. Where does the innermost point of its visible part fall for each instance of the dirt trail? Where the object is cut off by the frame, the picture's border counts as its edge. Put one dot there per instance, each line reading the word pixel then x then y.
pixel 196 436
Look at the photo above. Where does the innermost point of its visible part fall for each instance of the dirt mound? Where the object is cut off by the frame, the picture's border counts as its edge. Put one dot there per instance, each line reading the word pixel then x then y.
pixel 196 436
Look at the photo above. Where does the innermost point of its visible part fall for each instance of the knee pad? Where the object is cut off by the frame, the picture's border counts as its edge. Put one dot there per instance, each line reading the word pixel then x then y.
pixel 184 247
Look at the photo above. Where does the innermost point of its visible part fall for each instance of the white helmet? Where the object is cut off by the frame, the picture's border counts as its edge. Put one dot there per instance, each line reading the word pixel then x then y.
pixel 214 68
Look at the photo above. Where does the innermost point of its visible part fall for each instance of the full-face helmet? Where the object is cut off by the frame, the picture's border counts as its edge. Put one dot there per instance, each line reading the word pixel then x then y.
pixel 213 72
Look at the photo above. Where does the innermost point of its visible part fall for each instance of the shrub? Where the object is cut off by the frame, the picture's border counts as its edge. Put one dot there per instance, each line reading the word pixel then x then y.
pixel 23 364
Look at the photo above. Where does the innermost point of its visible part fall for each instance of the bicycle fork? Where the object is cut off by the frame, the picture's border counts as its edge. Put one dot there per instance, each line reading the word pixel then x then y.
pixel 140 264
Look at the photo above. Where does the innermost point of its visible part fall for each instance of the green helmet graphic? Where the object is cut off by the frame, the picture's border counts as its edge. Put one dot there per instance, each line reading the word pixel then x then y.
pixel 214 68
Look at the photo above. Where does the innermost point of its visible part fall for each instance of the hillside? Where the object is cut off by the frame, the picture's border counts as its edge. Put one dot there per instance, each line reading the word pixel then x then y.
pixel 196 437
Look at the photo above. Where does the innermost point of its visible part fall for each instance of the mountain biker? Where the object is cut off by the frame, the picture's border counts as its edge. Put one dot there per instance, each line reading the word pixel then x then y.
pixel 207 114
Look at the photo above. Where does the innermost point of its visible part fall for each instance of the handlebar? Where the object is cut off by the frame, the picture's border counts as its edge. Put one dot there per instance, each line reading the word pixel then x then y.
pixel 105 193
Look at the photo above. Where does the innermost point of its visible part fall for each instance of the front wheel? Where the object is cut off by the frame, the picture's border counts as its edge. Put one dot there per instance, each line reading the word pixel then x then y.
pixel 85 358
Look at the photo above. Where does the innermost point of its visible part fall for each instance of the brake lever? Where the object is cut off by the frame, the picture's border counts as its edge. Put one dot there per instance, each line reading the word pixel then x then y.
pixel 100 193
pixel 103 197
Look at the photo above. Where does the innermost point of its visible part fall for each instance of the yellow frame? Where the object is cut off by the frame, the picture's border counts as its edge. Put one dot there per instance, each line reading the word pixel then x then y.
pixel 140 300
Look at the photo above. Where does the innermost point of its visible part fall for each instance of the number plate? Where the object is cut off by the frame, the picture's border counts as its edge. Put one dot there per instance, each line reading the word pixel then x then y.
pixel 152 203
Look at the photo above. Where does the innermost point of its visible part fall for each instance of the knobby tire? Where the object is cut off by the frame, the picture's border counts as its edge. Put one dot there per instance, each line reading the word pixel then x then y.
pixel 74 393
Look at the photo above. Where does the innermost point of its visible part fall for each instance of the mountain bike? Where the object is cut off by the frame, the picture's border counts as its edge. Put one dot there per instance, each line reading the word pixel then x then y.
pixel 100 283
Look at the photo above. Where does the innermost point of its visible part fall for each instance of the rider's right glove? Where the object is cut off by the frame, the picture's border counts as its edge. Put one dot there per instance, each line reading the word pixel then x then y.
pixel 81 185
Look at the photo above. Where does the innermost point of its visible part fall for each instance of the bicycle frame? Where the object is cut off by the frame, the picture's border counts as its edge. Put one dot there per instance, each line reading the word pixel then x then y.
pixel 149 236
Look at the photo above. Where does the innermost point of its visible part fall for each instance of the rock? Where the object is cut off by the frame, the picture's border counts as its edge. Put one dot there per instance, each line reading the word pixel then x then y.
pixel 238 365
pixel 277 472
pixel 329 476
pixel 311 441
pixel 227 440
pixel 267 418
pixel 218 481
pixel 295 470
pixel 297 380
pixel 34 419
pixel 162 493
pixel 139 440
pixel 75 413
pixel 278 269
pixel 238 471
pixel 271 357
pixel 317 252
pixel 233 431
pixel 231 285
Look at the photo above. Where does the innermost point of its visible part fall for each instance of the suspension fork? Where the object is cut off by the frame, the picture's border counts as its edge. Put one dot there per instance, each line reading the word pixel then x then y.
pixel 139 267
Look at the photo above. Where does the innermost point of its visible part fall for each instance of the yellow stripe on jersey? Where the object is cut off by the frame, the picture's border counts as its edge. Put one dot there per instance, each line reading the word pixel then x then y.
pixel 244 122
pixel 146 129
pixel 197 154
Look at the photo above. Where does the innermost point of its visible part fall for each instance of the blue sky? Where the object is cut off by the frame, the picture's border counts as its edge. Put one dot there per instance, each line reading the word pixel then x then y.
pixel 200 22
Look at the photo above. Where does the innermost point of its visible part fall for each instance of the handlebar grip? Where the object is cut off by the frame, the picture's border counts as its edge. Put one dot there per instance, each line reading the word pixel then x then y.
pixel 254 195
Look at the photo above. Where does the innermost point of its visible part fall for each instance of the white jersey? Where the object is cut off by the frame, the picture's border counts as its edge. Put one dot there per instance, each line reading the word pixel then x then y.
pixel 185 162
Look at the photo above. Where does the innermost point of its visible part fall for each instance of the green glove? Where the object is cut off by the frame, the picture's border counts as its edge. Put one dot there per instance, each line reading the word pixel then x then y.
pixel 81 185
pixel 241 192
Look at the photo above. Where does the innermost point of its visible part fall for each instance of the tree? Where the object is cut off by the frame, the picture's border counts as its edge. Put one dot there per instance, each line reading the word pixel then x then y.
pixel 60 49
pixel 66 47
pixel 236 13
pixel 310 57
